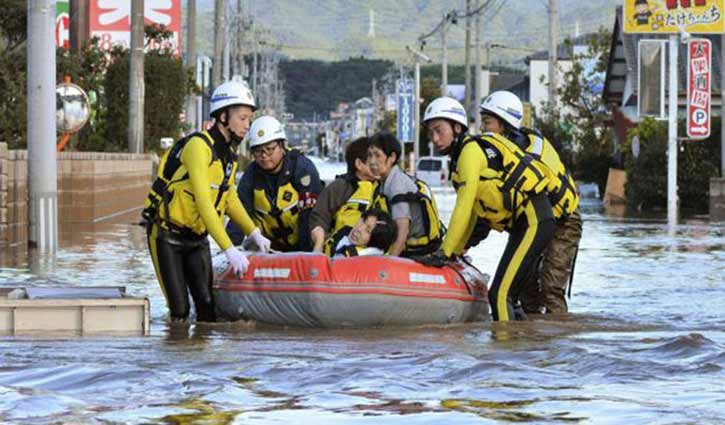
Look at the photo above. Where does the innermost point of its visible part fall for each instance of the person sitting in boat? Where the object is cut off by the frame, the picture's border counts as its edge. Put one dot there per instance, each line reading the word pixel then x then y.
pixel 342 202
pixel 408 199
pixel 373 234
pixel 279 189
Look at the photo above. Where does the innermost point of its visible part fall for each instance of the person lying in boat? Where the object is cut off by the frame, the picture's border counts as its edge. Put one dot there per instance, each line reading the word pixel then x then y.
pixel 279 189
pixel 342 203
pixel 373 234
pixel 408 199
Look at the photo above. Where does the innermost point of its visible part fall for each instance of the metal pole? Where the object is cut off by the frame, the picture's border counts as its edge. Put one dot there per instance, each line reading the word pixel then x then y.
pixel 672 139
pixel 553 54
pixel 478 77
pixel 722 108
pixel 416 114
pixel 42 160
pixel 191 60
pixel 219 30
pixel 136 90
pixel 468 97
pixel 444 67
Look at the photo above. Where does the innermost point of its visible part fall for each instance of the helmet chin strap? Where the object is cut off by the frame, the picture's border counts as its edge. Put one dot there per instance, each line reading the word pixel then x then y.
pixel 234 138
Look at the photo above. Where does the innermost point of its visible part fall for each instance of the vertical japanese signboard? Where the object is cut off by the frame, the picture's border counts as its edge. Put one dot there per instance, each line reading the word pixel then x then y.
pixel 110 21
pixel 699 72
pixel 405 110
pixel 671 16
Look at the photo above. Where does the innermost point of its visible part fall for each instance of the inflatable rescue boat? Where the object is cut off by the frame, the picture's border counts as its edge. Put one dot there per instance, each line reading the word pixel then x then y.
pixel 312 290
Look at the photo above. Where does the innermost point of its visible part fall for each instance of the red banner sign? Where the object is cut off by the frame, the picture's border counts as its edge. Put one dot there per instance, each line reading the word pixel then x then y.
pixel 699 72
pixel 110 21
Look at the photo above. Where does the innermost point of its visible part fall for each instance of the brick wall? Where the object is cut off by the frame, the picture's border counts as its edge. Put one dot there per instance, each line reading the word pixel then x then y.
pixel 92 187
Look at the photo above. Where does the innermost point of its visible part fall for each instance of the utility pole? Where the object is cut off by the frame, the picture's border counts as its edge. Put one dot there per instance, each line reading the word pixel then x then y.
pixel 478 77
pixel 78 24
pixel 191 59
pixel 136 89
pixel 375 104
pixel 219 30
pixel 467 98
pixel 227 50
pixel 553 53
pixel 240 39
pixel 42 161
pixel 255 59
pixel 444 67
pixel 722 109
pixel 416 103
pixel 672 138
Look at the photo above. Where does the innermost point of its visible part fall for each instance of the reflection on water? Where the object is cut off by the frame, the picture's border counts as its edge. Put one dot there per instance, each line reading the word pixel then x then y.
pixel 645 343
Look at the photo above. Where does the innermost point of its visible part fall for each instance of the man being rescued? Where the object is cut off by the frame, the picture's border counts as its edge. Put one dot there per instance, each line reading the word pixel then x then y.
pixel 278 189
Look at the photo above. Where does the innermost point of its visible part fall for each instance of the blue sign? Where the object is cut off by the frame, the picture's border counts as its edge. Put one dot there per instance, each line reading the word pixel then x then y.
pixel 405 110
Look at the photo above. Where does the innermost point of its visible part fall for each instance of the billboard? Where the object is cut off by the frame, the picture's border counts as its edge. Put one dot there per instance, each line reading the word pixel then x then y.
pixel 699 72
pixel 670 16
pixel 405 110
pixel 62 23
pixel 110 21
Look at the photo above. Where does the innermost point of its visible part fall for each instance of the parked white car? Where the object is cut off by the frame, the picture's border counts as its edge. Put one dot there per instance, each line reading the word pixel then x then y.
pixel 433 170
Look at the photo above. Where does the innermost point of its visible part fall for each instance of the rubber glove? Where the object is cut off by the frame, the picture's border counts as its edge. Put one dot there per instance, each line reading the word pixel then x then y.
pixel 237 260
pixel 436 259
pixel 262 243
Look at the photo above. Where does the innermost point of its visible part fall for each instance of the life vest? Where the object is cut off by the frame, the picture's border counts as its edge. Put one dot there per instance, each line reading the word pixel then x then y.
pixel 562 190
pixel 171 202
pixel 350 212
pixel 277 214
pixel 433 229
pixel 507 181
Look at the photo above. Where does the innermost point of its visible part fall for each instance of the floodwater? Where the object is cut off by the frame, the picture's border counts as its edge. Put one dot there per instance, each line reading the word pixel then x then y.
pixel 645 344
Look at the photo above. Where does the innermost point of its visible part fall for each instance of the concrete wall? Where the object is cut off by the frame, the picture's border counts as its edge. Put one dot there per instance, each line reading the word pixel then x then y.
pixel 717 199
pixel 92 187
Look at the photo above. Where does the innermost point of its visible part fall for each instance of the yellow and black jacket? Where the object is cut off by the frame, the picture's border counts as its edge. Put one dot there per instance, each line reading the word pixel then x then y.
pixel 562 191
pixel 493 179
pixel 274 200
pixel 350 212
pixel 194 188
pixel 432 225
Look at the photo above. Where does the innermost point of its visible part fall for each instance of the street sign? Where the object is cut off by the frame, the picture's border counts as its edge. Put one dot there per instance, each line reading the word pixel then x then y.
pixel 699 71
pixel 671 16
pixel 405 110
pixel 651 82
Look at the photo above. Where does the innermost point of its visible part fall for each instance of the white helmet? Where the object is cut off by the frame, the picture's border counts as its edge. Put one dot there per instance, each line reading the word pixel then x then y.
pixel 504 105
pixel 447 108
pixel 265 129
pixel 231 93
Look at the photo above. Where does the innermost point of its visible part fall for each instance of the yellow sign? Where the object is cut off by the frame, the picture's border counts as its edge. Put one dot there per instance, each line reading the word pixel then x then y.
pixel 670 16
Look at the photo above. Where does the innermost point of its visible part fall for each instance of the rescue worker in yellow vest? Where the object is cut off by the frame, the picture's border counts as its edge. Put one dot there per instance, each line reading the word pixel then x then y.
pixel 501 113
pixel 193 191
pixel 343 202
pixel 278 189
pixel 408 200
pixel 499 183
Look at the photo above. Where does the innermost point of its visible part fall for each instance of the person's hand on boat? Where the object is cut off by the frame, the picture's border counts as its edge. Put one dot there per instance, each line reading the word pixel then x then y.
pixel 436 259
pixel 263 244
pixel 237 260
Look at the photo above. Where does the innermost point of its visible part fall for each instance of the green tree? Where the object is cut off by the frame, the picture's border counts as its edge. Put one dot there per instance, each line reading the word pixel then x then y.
pixel 166 84
pixel 580 126
pixel 13 104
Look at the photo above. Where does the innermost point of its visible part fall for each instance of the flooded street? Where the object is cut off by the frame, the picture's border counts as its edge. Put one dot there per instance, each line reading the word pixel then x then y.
pixel 645 344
